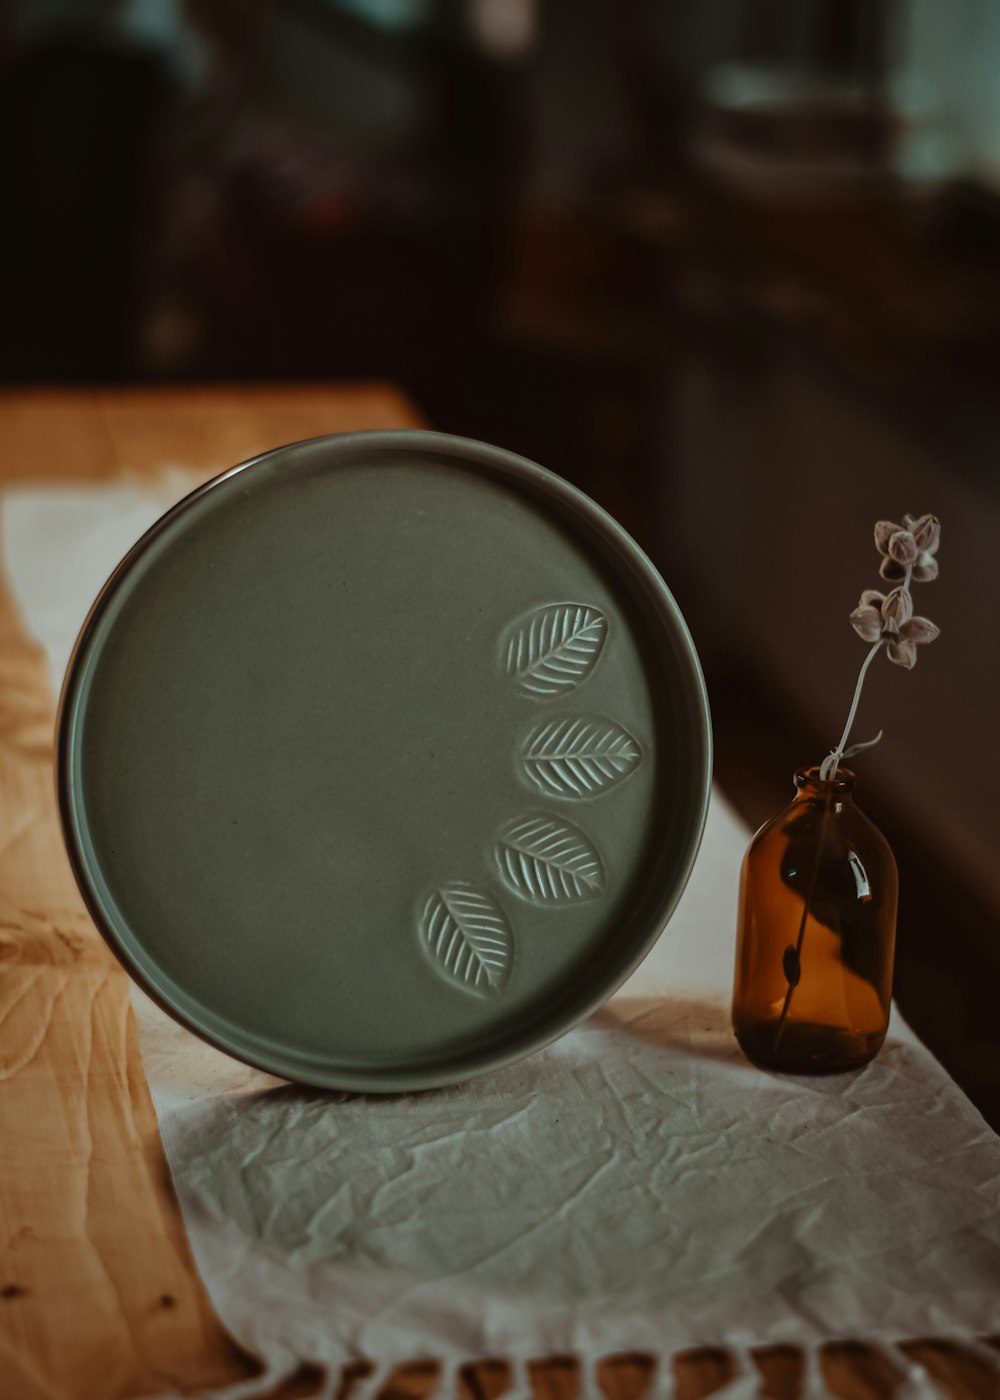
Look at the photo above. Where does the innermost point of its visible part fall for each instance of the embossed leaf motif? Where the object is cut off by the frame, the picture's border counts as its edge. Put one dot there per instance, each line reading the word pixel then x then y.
pixel 578 756
pixel 548 861
pixel 467 934
pixel 551 650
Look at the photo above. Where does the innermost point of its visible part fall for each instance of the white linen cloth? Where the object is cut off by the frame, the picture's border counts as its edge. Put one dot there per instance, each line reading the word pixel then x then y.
pixel 635 1186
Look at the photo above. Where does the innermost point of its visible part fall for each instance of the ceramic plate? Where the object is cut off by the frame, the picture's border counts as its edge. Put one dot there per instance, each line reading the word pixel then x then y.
pixel 383 759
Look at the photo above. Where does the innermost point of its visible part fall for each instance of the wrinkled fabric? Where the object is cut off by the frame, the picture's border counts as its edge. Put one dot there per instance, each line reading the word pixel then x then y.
pixel 636 1185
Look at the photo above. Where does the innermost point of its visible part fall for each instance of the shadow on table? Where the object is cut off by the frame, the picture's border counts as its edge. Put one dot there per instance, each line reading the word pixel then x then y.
pixel 697 1027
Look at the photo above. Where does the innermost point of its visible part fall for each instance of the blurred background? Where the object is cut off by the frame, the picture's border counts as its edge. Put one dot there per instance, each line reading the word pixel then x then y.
pixel 732 267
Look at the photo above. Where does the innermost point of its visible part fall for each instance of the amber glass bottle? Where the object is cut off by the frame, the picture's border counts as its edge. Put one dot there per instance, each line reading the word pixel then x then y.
pixel 816 933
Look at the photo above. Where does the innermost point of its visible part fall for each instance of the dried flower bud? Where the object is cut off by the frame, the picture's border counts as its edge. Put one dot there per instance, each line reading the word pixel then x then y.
pixel 910 546
pixel 889 618
pixel 898 606
pixel 926 532
pixel 919 630
pixel 902 653
pixel 891 570
pixel 867 622
pixel 902 547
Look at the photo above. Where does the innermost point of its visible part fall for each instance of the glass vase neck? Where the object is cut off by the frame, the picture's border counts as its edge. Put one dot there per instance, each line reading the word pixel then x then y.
pixel 810 784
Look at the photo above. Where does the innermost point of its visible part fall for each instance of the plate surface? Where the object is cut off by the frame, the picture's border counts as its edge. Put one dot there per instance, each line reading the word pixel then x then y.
pixel 383 759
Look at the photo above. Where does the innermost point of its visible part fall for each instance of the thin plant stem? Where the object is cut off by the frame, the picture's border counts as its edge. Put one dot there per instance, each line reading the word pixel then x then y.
pixel 830 764
pixel 814 875
pixel 828 774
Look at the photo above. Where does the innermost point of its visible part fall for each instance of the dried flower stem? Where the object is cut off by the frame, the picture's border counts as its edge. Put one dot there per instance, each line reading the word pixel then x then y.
pixel 830 764
pixel 814 875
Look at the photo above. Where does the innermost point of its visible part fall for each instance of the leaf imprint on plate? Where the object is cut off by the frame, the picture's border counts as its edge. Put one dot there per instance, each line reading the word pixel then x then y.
pixel 552 649
pixel 467 934
pixel 548 861
pixel 579 756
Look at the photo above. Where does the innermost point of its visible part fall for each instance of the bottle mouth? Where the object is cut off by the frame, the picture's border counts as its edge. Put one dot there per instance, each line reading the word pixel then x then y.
pixel 809 780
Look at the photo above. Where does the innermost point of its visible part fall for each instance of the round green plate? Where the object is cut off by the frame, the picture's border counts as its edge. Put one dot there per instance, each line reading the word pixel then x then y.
pixel 383 759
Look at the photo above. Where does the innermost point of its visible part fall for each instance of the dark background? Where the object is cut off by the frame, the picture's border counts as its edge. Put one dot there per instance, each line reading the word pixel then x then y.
pixel 732 267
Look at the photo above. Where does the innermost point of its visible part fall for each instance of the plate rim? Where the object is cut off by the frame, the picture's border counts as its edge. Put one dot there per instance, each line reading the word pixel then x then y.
pixel 499 462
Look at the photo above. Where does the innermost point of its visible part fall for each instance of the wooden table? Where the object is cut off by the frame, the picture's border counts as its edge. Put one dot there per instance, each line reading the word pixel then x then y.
pixel 99 1296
